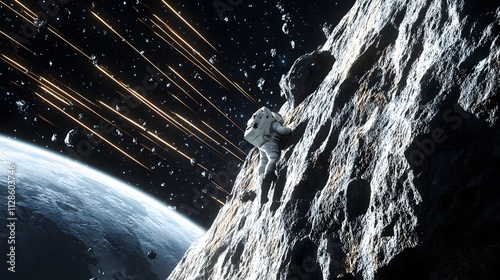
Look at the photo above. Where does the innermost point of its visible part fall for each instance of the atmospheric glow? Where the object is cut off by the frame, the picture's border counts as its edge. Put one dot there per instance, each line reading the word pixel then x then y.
pixel 118 185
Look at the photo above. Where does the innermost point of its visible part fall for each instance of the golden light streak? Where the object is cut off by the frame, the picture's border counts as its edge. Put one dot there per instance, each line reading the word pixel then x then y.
pixel 193 59
pixel 206 135
pixel 117 34
pixel 175 149
pixel 55 32
pixel 123 116
pixel 90 129
pixel 199 64
pixel 218 200
pixel 40 80
pixel 199 130
pixel 247 95
pixel 123 85
pixel 150 149
pixel 18 43
pixel 187 23
pixel 160 112
pixel 19 14
pixel 204 59
pixel 46 85
pixel 137 95
pixel 33 15
pixel 176 35
pixel 206 99
pixel 165 75
pixel 46 120
pixel 229 151
pixel 219 187
pixel 146 147
pixel 132 46
pixel 169 145
pixel 15 64
pixel 55 95
pixel 75 92
pixel 200 139
pixel 79 102
pixel 130 121
pixel 143 56
pixel 182 102
pixel 223 137
pixel 153 135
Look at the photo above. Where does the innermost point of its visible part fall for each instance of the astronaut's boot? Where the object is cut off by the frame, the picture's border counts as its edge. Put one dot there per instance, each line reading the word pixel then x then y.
pixel 269 177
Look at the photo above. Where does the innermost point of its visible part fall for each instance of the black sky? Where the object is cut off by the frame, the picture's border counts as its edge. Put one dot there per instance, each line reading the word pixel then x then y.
pixel 255 40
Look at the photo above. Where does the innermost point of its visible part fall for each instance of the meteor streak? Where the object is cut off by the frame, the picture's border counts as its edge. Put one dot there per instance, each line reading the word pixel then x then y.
pixel 153 135
pixel 182 102
pixel 157 68
pixel 218 200
pixel 18 43
pixel 241 90
pixel 57 96
pixel 199 130
pixel 41 80
pixel 67 94
pixel 193 59
pixel 223 137
pixel 90 129
pixel 206 99
pixel 27 11
pixel 66 101
pixel 16 65
pixel 116 33
pixel 171 69
pixel 33 15
pixel 187 23
pixel 208 136
pixel 67 41
pixel 46 120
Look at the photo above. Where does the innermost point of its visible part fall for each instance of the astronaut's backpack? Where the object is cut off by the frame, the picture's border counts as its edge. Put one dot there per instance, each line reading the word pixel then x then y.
pixel 258 129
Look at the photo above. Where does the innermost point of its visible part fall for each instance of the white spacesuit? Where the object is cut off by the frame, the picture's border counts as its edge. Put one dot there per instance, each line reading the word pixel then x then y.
pixel 270 151
pixel 265 130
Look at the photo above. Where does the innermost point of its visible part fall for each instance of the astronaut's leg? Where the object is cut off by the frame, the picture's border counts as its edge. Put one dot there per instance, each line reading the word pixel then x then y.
pixel 273 154
pixel 263 161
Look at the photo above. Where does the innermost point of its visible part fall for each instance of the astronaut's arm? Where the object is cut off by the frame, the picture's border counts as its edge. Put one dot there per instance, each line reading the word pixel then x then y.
pixel 280 129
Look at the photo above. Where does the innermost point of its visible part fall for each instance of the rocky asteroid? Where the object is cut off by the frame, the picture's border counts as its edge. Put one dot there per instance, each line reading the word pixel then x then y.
pixel 393 170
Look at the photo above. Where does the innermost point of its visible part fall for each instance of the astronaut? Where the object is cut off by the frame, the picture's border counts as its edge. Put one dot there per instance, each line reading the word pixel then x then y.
pixel 265 130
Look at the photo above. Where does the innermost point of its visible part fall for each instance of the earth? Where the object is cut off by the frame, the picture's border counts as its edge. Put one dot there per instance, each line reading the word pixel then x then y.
pixel 74 222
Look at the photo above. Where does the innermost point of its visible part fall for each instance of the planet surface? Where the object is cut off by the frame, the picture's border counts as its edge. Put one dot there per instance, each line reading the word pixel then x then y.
pixel 70 221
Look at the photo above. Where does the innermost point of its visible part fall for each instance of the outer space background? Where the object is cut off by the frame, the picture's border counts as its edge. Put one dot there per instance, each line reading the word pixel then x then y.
pixel 255 43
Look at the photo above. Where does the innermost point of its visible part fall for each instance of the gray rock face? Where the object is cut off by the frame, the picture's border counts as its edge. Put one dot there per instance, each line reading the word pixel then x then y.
pixel 393 168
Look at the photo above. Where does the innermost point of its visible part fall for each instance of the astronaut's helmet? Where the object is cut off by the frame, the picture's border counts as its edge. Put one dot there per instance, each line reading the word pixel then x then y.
pixel 278 117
